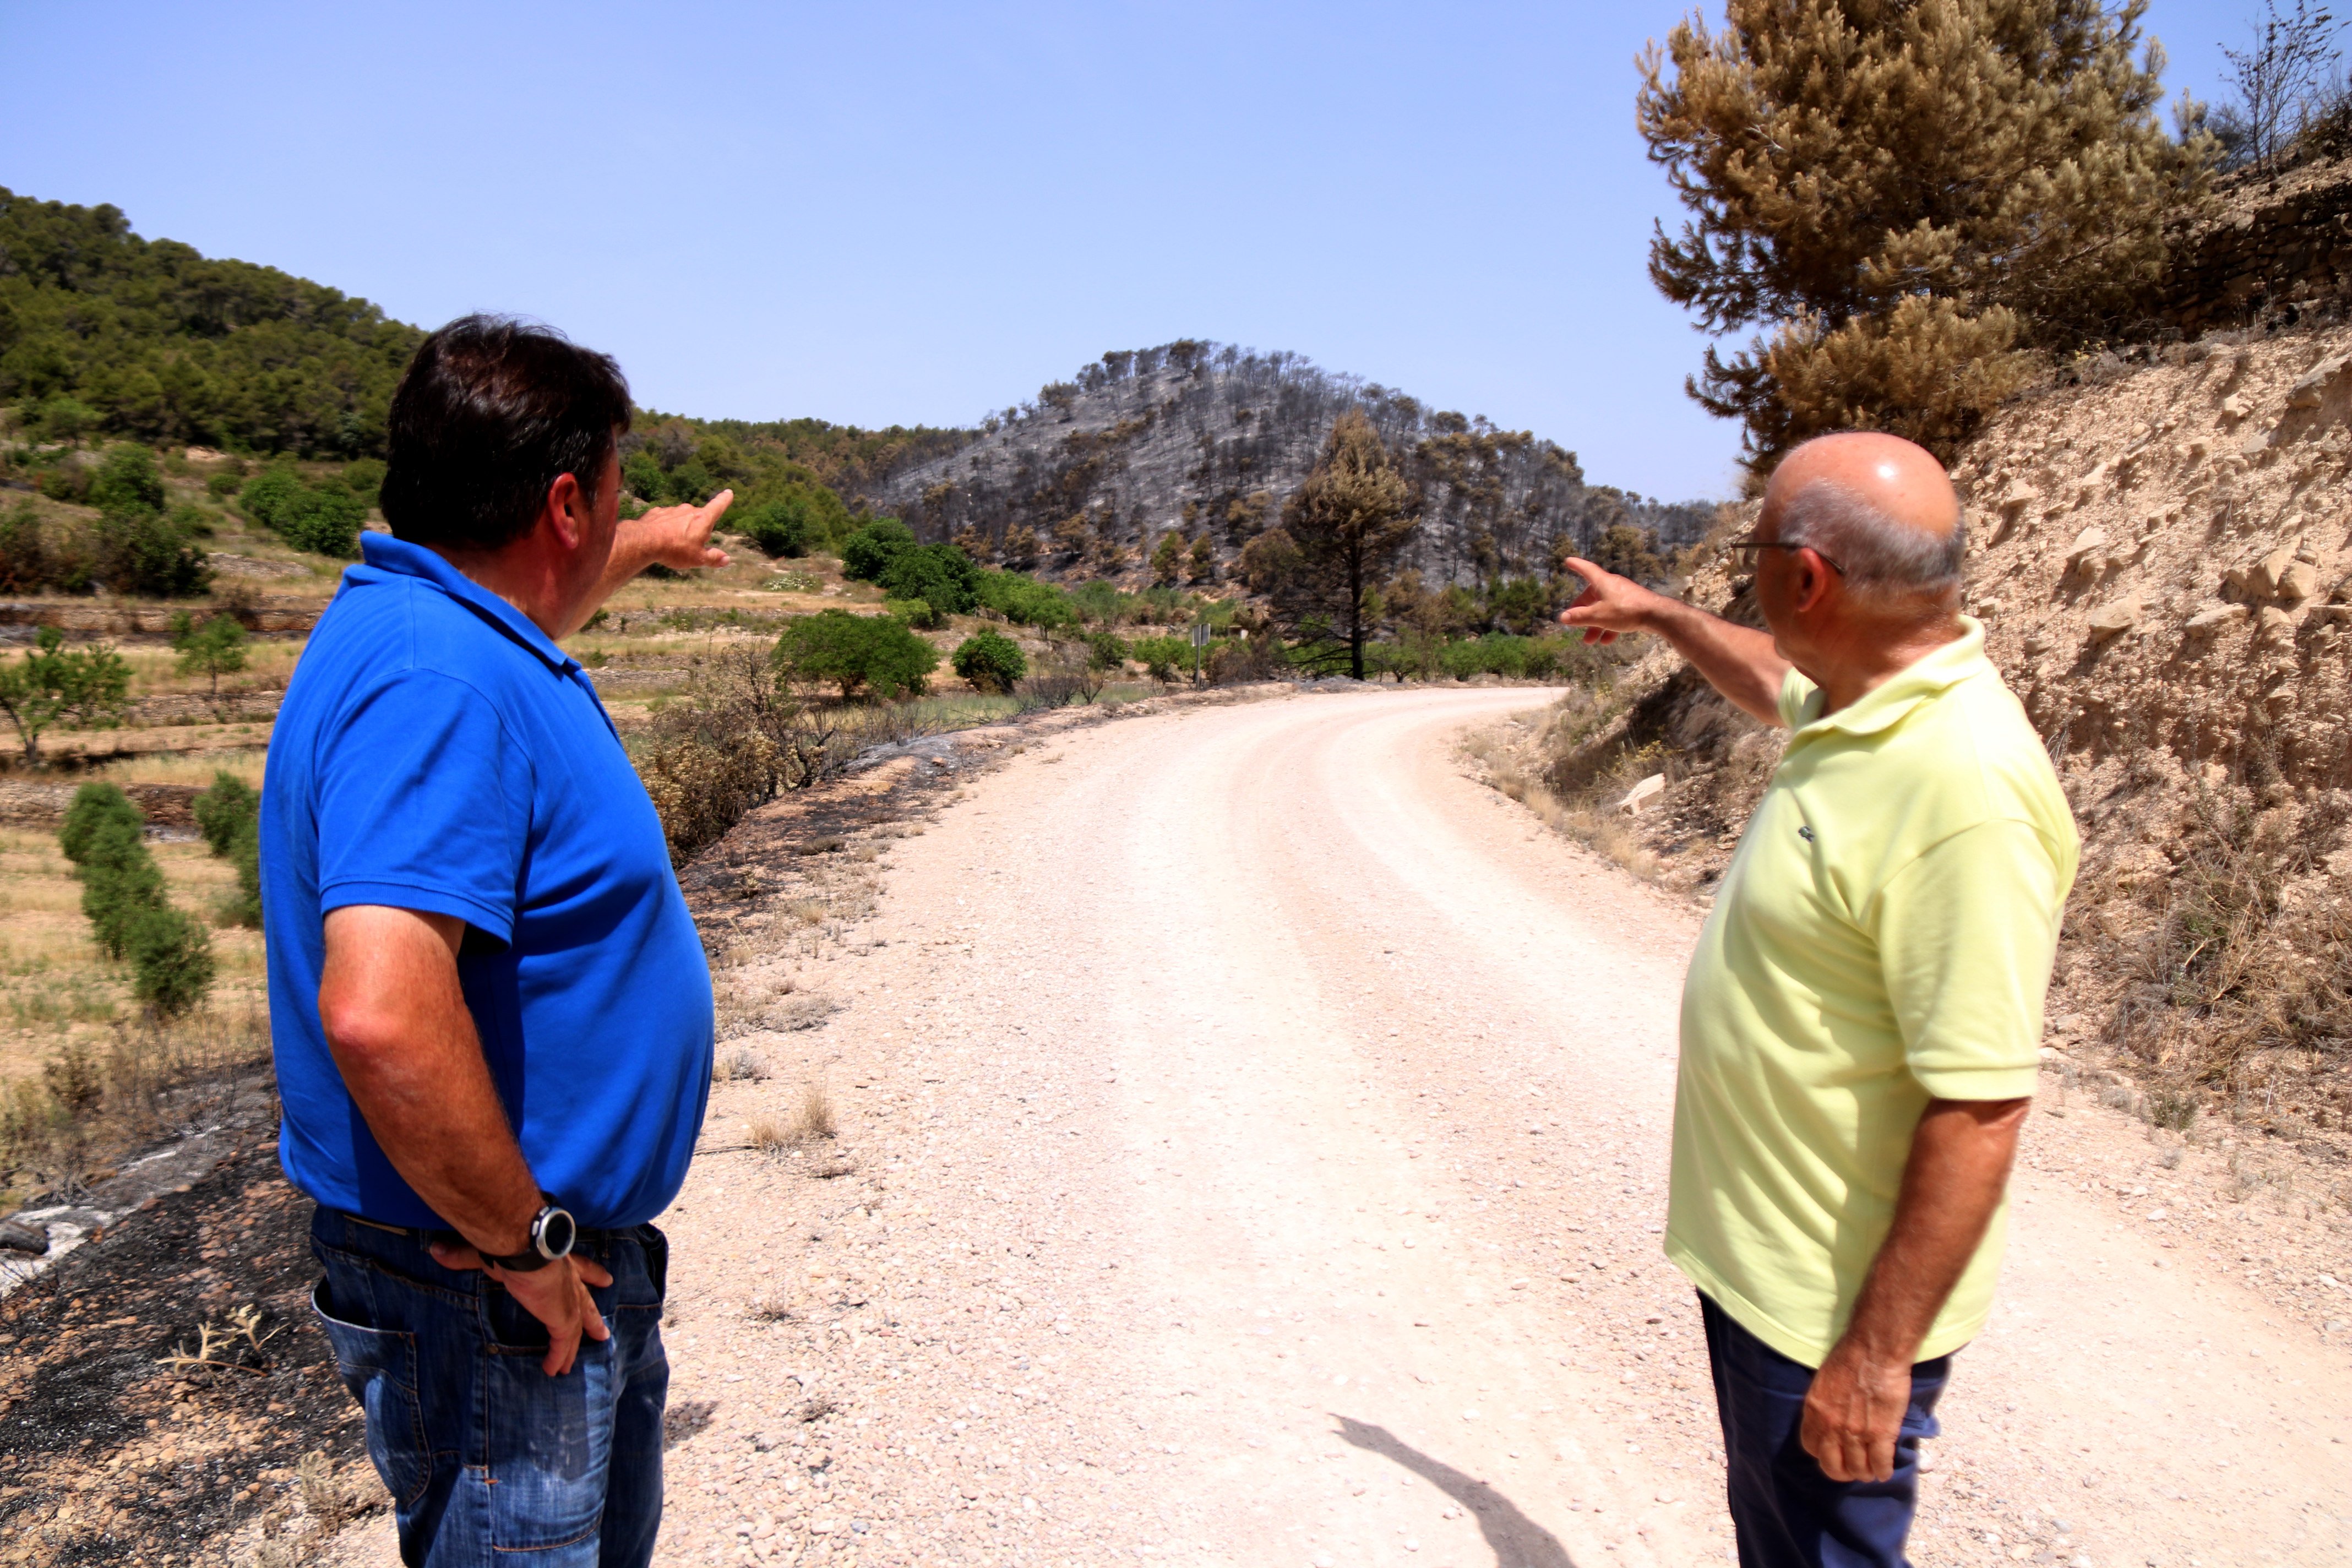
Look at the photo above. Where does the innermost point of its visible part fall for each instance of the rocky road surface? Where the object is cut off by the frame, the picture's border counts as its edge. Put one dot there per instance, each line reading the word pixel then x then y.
pixel 1252 1151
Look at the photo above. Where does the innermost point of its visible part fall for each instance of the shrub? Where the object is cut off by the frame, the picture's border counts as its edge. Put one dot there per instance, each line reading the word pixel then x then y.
pixel 1235 662
pixel 991 661
pixel 148 555
pixel 1161 656
pixel 119 879
pixel 25 563
pixel 874 653
pixel 1106 650
pixel 226 810
pixel 777 528
pixel 869 552
pixel 268 496
pixel 323 519
pixel 171 958
pixel 915 612
pixel 942 575
pixel 1025 601
pixel 222 485
pixel 366 478
pixel 127 481
pixel 243 908
pixel 94 805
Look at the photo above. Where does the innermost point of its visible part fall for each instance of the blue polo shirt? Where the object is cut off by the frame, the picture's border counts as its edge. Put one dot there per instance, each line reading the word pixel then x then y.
pixel 437 751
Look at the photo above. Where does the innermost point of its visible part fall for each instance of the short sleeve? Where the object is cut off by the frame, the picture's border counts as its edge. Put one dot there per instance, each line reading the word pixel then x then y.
pixel 1967 932
pixel 423 803
pixel 1794 689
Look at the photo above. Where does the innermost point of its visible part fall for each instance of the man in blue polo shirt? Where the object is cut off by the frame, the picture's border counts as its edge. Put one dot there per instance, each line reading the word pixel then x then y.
pixel 491 1009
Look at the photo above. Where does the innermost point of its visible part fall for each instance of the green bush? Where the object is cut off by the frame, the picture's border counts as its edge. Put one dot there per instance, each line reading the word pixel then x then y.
pixel 920 612
pixel 777 528
pixel 95 804
pixel 1025 601
pixel 940 573
pixel 24 558
pixel 122 894
pixel 1106 650
pixel 243 908
pixel 873 653
pixel 1162 655
pixel 171 958
pixel 270 495
pixel 119 879
pixel 229 816
pixel 366 478
pixel 226 810
pixel 326 520
pixel 991 661
pixel 151 555
pixel 127 481
pixel 222 485
pixel 869 552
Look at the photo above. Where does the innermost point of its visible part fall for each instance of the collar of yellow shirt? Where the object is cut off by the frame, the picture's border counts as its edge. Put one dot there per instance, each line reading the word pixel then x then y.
pixel 1892 700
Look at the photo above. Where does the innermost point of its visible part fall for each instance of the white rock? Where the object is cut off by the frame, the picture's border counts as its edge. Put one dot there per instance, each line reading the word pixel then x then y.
pixel 2218 617
pixel 2115 619
pixel 2305 392
pixel 2089 542
pixel 1637 799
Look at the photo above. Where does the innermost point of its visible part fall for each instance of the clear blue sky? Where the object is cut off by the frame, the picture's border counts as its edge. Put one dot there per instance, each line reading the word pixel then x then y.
pixel 900 212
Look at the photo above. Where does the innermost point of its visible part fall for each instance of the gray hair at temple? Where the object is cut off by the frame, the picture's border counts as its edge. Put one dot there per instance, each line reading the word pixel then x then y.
pixel 1879 556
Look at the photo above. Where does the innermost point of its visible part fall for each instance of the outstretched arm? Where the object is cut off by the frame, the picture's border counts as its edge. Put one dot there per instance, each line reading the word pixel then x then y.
pixel 674 536
pixel 1739 661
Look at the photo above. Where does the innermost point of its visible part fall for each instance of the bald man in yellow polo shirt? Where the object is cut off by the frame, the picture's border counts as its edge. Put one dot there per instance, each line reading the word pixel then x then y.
pixel 1861 1016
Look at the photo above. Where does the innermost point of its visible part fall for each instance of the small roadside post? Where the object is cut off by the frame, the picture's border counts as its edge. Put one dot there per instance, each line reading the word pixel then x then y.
pixel 1200 641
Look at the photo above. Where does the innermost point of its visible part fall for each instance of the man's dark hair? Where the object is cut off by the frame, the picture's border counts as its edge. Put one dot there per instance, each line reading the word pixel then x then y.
pixel 489 411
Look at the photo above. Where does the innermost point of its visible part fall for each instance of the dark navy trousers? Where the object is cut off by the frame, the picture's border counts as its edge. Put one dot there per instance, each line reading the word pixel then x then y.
pixel 1787 1514
pixel 488 1459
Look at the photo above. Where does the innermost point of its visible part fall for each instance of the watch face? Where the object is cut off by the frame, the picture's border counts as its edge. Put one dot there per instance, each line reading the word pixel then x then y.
pixel 556 1234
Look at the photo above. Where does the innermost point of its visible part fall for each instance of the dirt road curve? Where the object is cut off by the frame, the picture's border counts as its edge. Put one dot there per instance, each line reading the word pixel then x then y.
pixel 1265 1137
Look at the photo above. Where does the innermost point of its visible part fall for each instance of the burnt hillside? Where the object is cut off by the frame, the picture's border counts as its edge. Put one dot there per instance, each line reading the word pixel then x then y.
pixel 1209 439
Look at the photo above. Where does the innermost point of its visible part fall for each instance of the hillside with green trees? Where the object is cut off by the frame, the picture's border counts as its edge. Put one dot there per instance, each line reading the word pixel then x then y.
pixel 103 333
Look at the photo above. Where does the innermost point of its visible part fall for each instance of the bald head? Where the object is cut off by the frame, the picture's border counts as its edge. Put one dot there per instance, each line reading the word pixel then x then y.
pixel 1881 509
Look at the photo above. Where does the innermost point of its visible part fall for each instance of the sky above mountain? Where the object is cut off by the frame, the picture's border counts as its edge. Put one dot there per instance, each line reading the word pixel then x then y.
pixel 905 213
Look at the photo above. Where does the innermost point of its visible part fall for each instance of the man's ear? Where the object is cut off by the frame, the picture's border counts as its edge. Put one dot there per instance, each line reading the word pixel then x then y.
pixel 568 512
pixel 1812 585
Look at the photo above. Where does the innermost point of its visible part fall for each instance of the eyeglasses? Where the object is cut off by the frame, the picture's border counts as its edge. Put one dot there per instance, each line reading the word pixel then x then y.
pixel 1739 546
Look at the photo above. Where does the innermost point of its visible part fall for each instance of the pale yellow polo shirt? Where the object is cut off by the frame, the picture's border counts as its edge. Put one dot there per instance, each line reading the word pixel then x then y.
pixel 1883 937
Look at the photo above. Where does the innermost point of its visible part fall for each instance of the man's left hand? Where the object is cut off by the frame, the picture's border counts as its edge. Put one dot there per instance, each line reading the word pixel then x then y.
pixel 677 537
pixel 1854 1413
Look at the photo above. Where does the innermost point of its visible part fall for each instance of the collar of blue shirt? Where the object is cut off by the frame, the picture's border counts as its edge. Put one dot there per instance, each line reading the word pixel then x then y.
pixel 381 554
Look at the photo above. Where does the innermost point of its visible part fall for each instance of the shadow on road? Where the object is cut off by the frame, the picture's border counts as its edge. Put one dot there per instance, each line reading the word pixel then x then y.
pixel 1518 1541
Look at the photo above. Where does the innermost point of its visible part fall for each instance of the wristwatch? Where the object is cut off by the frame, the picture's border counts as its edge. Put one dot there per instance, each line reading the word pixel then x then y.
pixel 553 1233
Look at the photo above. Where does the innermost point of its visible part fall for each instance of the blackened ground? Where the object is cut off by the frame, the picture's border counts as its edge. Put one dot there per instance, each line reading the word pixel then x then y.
pixel 108 1454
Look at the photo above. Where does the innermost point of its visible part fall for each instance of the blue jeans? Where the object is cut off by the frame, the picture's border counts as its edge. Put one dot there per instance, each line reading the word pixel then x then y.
pixel 1787 1513
pixel 488 1459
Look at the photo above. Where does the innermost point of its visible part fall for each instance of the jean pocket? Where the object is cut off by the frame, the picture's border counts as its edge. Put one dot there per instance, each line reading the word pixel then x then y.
pixel 548 1444
pixel 379 1367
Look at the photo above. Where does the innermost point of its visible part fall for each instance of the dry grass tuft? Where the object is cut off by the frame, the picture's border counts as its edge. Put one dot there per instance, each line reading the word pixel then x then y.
pixel 766 1137
pixel 739 1065
pixel 813 1118
pixel 1589 815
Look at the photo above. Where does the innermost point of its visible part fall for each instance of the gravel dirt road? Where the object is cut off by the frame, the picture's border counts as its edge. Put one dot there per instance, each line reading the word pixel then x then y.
pixel 1256 1144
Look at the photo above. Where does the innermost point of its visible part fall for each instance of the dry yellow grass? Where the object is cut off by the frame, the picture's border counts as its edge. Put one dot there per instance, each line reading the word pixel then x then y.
pixel 195 768
pixel 54 985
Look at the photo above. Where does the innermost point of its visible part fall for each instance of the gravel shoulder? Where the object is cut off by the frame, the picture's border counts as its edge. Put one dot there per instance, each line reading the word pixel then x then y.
pixel 1251 1149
